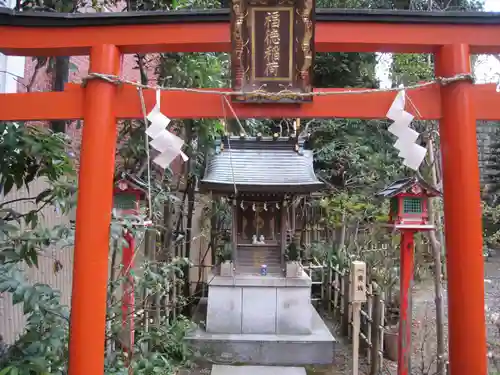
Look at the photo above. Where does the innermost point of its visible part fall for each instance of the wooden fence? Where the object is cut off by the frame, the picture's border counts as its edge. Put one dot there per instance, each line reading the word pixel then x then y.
pixel 331 291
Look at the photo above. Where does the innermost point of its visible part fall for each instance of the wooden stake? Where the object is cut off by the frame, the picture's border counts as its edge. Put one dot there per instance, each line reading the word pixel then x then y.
pixel 376 334
pixel 356 312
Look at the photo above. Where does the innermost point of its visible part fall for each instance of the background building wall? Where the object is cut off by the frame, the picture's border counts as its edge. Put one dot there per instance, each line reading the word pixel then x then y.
pixel 487 133
pixel 11 317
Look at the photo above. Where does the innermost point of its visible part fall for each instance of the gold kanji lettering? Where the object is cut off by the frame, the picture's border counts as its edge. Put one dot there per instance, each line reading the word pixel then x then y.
pixel 272 44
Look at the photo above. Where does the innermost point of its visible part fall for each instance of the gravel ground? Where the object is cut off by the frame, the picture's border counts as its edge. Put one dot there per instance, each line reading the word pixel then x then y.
pixel 424 334
pixel 492 303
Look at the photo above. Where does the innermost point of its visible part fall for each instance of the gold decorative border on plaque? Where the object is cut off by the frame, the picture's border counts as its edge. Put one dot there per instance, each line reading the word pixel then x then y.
pixel 239 43
pixel 305 16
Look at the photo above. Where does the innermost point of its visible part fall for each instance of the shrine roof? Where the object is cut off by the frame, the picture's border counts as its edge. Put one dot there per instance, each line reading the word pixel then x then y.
pixel 404 185
pixel 260 165
pixel 9 17
pixel 132 182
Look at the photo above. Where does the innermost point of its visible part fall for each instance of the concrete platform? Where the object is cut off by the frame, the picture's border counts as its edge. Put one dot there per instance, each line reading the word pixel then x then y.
pixel 257 370
pixel 267 349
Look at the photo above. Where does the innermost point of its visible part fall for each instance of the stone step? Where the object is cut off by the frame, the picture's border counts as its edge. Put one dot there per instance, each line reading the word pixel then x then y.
pixel 256 370
pixel 249 249
pixel 274 271
pixel 269 264
pixel 249 260
pixel 258 262
pixel 258 257
pixel 258 265
pixel 258 254
pixel 256 269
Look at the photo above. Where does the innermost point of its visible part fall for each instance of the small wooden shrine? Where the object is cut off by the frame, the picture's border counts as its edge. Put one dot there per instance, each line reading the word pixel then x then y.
pixel 261 176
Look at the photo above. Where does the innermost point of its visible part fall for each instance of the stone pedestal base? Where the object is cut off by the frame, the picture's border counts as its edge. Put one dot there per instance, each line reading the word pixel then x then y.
pixel 248 304
pixel 316 348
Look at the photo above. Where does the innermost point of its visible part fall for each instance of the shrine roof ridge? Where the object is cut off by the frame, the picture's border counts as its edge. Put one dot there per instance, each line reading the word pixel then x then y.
pixel 256 143
pixel 9 17
pixel 402 185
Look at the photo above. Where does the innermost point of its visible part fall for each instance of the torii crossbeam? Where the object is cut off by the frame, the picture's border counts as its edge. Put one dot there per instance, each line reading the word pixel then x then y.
pixel 452 37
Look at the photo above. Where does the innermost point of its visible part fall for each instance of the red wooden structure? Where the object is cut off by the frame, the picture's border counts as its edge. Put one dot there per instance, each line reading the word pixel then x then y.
pixel 451 37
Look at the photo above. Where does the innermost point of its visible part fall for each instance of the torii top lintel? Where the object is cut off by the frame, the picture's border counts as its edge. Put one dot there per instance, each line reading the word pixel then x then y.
pixel 39 34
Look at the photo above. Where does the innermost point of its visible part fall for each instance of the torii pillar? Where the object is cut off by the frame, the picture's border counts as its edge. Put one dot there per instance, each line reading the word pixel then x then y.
pixel 463 218
pixel 93 215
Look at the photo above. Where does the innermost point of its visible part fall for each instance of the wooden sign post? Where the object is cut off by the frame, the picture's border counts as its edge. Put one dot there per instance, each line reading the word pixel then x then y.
pixel 358 296
pixel 273 50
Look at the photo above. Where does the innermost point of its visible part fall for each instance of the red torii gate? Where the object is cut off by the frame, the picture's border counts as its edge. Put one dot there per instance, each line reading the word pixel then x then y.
pixel 452 37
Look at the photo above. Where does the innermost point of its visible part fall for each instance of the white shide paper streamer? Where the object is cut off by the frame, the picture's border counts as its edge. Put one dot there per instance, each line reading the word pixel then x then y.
pixel 168 144
pixel 413 155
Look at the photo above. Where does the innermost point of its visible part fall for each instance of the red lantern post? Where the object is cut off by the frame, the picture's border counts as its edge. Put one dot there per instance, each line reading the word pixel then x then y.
pixel 126 202
pixel 408 213
pixel 128 299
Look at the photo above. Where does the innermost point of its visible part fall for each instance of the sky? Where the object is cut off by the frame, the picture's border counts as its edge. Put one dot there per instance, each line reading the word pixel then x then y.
pixel 492 5
pixel 486 69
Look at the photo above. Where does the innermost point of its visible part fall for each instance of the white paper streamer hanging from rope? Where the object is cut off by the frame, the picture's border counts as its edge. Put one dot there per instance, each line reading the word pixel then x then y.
pixel 168 144
pixel 412 154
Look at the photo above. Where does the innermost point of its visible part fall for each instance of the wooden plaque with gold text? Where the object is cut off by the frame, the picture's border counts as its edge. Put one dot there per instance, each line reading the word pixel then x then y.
pixel 272 50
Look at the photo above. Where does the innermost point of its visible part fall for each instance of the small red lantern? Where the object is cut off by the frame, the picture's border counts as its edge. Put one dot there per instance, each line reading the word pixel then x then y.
pixel 409 202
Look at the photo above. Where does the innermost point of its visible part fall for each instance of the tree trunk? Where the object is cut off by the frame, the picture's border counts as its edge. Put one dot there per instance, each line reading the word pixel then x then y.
pixel 434 162
pixel 190 189
pixel 214 229
pixel 438 288
pixel 343 232
pixel 167 252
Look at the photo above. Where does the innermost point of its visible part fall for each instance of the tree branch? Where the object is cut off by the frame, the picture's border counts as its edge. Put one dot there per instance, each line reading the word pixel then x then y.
pixel 10 217
pixel 16 200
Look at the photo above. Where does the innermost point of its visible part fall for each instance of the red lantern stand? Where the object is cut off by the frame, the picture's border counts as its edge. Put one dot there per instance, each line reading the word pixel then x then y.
pixel 408 214
pixel 133 196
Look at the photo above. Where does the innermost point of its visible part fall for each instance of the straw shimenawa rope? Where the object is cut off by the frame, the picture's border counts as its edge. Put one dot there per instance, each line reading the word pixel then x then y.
pixel 442 81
